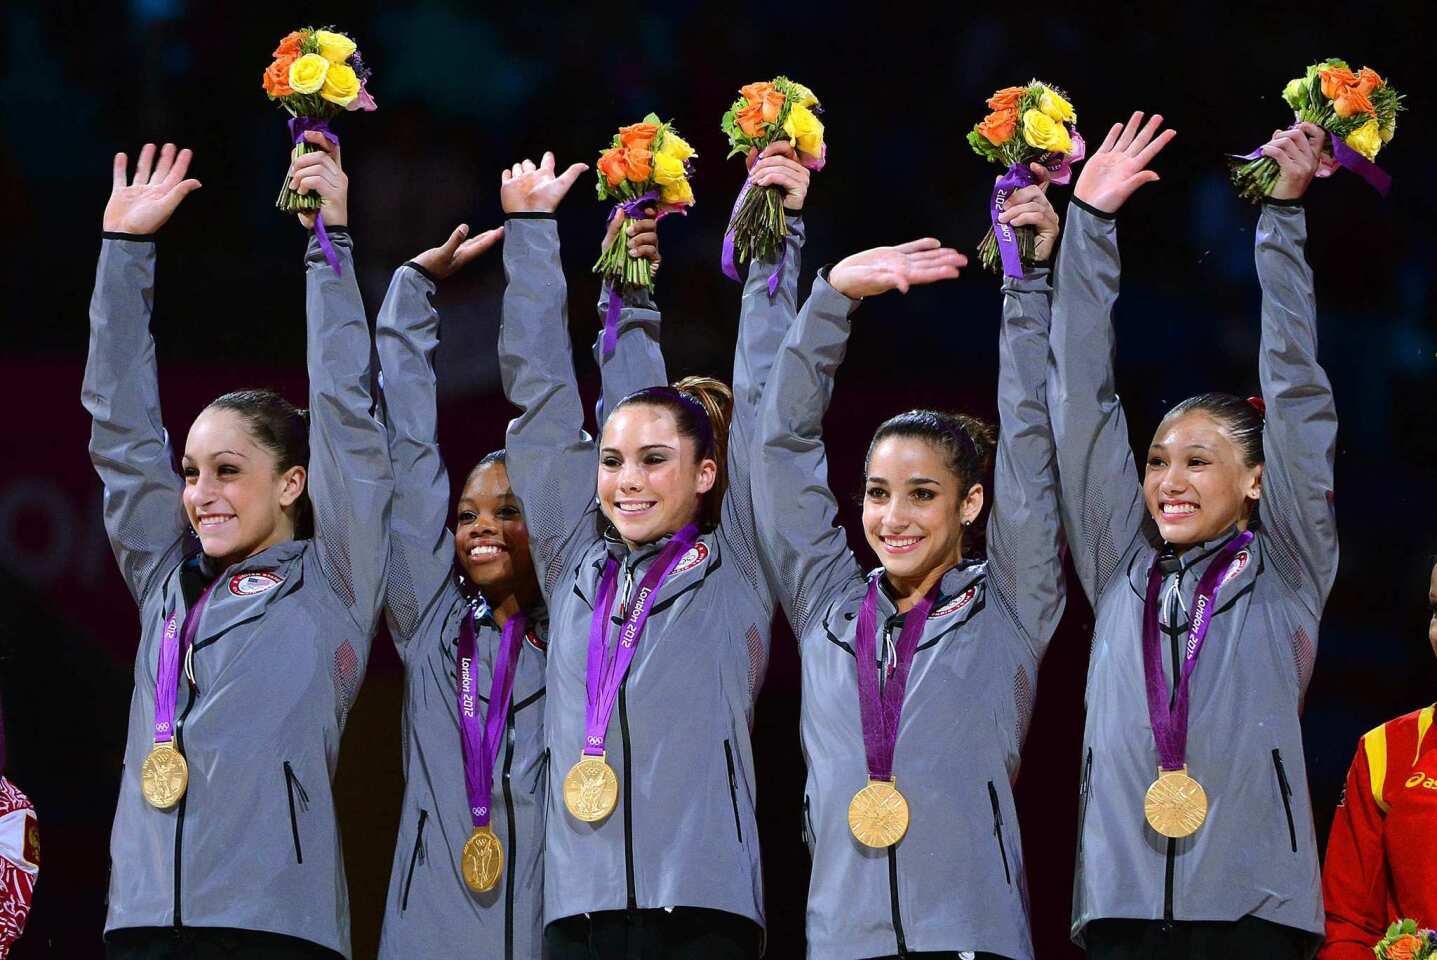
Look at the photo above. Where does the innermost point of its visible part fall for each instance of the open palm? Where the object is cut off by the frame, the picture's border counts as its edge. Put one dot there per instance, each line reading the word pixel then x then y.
pixel 1119 167
pixel 881 269
pixel 144 205
pixel 526 188
pixel 457 252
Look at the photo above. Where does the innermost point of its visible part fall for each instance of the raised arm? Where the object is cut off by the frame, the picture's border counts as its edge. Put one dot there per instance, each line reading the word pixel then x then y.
pixel 1101 494
pixel 637 362
pixel 804 550
pixel 421 551
pixel 350 479
pixel 1300 426
pixel 1024 530
pixel 128 444
pixel 551 461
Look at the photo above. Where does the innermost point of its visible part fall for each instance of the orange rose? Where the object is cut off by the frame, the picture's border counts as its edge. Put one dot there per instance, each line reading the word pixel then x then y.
pixel 1006 99
pixel 998 127
pixel 276 78
pixel 772 104
pixel 641 164
pixel 638 135
pixel 1405 947
pixel 289 46
pixel 755 92
pixel 1351 102
pixel 750 120
pixel 1368 80
pixel 614 165
pixel 1335 80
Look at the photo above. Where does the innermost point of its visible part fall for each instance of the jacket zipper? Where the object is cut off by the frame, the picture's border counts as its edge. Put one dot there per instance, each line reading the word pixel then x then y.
pixel 180 811
pixel 998 831
pixel 898 937
pixel 413 859
pixel 1172 855
pixel 633 901
pixel 808 836
pixel 733 789
pixel 1286 789
pixel 291 782
pixel 513 850
pixel 1083 797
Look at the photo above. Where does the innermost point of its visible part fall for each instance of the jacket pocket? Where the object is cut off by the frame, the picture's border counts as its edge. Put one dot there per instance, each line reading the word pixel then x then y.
pixel 733 789
pixel 998 831
pixel 414 858
pixel 295 789
pixel 1285 788
pixel 1085 790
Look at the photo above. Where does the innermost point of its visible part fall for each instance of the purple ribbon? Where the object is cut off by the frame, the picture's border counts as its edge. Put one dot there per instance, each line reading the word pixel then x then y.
pixel 1060 165
pixel 611 315
pixel 1017 177
pixel 880 708
pixel 297 129
pixel 1170 722
pixel 608 667
pixel 730 267
pixel 1347 158
pixel 480 739
pixel 173 643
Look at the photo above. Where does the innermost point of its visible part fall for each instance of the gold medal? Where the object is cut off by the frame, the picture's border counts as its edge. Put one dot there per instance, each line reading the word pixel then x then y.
pixel 1176 804
pixel 482 860
pixel 591 790
pixel 878 814
pixel 164 776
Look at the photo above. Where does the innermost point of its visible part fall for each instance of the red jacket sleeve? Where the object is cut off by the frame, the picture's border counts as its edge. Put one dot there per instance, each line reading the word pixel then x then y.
pixel 1354 879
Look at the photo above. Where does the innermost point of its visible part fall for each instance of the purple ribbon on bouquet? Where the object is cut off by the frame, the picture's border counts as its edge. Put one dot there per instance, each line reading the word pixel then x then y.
pixel 611 315
pixel 730 268
pixel 298 126
pixel 1016 177
pixel 1060 165
pixel 1349 159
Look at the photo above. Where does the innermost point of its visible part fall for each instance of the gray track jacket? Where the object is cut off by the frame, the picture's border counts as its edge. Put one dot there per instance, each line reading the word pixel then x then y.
pixel 280 649
pixel 684 833
pixel 1256 854
pixel 956 881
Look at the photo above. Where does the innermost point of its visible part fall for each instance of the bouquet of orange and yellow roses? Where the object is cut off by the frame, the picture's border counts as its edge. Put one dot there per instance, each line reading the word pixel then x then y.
pixel 1358 111
pixel 1034 123
pixel 646 165
pixel 1405 942
pixel 316 74
pixel 764 112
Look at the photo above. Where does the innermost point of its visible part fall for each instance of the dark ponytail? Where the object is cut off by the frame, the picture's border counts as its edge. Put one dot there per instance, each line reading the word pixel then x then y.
pixel 282 429
pixel 702 408
pixel 1241 418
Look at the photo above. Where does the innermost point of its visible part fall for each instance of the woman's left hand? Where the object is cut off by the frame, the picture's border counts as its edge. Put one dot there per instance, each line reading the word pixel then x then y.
pixel 457 252
pixel 321 172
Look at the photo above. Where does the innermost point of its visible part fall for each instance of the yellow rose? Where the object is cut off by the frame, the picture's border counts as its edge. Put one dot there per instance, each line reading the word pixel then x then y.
pixel 1366 139
pixel 802 96
pixel 676 146
pixel 805 130
pixel 668 169
pixel 334 47
pixel 340 85
pixel 306 75
pixel 1053 105
pixel 677 193
pixel 1045 133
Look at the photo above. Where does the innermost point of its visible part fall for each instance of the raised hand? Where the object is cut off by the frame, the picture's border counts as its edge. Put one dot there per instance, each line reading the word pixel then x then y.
pixel 1298 153
pixel 457 252
pixel 1119 167
pixel 1029 207
pixel 881 269
pixel 146 204
pixel 643 236
pixel 778 166
pixel 322 173
pixel 525 188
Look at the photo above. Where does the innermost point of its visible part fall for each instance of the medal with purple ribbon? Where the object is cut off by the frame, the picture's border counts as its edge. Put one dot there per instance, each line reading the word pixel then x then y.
pixel 878 814
pixel 165 775
pixel 591 789
pixel 1176 804
pixel 482 860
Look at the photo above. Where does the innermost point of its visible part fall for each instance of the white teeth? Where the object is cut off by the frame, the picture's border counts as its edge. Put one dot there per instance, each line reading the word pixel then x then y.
pixel 1178 509
pixel 213 520
pixel 633 507
pixel 484 550
pixel 901 541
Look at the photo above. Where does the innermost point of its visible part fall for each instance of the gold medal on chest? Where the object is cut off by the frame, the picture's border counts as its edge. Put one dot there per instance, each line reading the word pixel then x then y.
pixel 482 860
pixel 591 790
pixel 164 776
pixel 1176 804
pixel 878 814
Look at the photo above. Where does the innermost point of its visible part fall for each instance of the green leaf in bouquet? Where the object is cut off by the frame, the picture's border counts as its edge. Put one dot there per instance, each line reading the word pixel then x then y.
pixel 653 118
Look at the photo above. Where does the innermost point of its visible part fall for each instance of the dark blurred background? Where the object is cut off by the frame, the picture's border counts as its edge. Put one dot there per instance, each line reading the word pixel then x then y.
pixel 464 89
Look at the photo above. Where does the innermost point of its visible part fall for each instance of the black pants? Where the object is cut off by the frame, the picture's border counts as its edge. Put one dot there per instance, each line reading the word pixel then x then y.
pixel 208 943
pixel 684 933
pixel 1245 939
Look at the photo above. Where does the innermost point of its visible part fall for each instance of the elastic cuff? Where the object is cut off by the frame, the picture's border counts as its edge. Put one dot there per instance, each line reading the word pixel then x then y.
pixel 532 215
pixel 336 229
pixel 1100 214
pixel 795 217
pixel 422 272
pixel 1275 202
pixel 135 237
